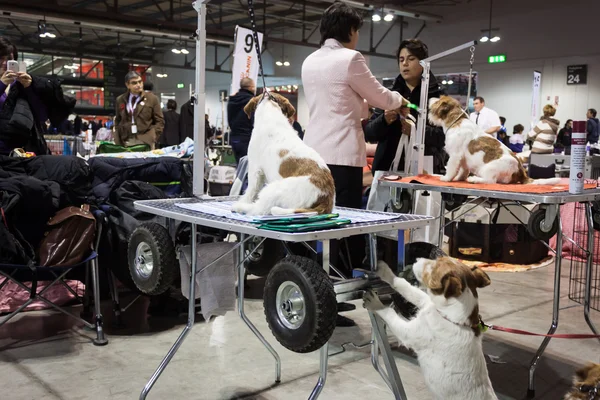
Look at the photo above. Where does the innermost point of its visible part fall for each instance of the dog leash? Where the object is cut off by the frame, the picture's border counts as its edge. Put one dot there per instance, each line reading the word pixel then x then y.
pixel 257 45
pixel 484 327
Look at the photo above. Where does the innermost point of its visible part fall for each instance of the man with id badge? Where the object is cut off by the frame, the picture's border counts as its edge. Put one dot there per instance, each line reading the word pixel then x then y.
pixel 139 118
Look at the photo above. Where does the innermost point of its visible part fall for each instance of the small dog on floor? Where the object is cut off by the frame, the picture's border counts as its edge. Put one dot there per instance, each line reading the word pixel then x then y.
pixel 586 383
pixel 296 176
pixel 475 156
pixel 445 333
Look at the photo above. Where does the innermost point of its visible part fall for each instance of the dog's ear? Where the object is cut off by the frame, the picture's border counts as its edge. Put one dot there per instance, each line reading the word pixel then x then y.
pixel 451 285
pixel 481 278
pixel 444 107
pixel 582 373
pixel 287 108
pixel 251 106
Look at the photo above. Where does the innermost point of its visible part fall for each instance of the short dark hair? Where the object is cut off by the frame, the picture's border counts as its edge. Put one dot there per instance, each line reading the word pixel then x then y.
pixel 7 49
pixel 415 46
pixel 518 128
pixel 567 123
pixel 171 104
pixel 481 99
pixel 131 75
pixel 502 120
pixel 338 21
pixel 593 112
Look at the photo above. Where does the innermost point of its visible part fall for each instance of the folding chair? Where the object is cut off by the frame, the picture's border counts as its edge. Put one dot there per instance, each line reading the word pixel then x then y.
pixel 20 274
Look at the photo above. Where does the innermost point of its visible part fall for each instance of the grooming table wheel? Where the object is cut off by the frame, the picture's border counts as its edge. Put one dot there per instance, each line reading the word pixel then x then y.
pixel 536 222
pixel 401 205
pixel 453 201
pixel 262 259
pixel 151 257
pixel 300 304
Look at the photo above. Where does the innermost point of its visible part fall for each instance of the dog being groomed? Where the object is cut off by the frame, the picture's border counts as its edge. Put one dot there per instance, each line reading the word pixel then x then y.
pixel 297 178
pixel 445 333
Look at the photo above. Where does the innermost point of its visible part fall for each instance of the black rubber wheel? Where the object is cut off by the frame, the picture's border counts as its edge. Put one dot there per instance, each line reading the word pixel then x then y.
pixel 262 259
pixel 151 258
pixel 300 304
pixel 534 225
pixel 453 201
pixel 402 205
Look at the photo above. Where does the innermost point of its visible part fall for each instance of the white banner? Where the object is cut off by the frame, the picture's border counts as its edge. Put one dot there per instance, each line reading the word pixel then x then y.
pixel 535 100
pixel 245 60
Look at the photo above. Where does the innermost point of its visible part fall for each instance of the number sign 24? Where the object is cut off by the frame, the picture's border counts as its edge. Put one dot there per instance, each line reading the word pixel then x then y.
pixel 577 75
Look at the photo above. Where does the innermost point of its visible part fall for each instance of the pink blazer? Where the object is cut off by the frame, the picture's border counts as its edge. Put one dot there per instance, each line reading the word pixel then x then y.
pixel 336 82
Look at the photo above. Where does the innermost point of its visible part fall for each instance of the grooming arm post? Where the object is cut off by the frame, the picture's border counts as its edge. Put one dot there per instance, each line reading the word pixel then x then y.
pixel 200 98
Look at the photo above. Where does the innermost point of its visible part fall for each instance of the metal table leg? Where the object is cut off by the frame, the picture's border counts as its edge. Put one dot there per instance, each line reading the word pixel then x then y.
pixel 323 359
pixel 442 222
pixel 555 309
pixel 188 327
pixel 242 314
pixel 588 267
pixel 98 320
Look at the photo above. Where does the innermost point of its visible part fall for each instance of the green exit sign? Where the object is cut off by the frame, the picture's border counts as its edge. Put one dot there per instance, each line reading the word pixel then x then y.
pixel 180 85
pixel 500 58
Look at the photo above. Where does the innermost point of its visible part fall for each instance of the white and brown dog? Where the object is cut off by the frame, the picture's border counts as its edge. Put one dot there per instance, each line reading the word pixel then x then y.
pixel 445 333
pixel 475 156
pixel 586 384
pixel 297 178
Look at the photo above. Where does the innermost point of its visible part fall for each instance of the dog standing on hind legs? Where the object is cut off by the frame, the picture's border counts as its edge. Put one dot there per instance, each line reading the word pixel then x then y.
pixel 445 333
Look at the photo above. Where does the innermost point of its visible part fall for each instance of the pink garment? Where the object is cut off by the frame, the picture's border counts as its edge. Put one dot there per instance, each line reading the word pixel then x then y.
pixel 336 81
pixel 579 234
pixel 12 296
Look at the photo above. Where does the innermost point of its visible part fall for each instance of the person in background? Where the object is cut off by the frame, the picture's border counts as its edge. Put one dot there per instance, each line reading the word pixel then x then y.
pixel 170 136
pixel 503 126
pixel 209 132
pixel 77 125
pixel 139 116
pixel 564 135
pixel 593 126
pixel 484 117
pixel 503 137
pixel 240 125
pixel 516 142
pixel 385 127
pixel 544 132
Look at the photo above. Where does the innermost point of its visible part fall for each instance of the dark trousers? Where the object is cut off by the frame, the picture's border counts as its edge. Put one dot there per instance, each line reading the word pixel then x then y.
pixel 348 193
pixel 239 146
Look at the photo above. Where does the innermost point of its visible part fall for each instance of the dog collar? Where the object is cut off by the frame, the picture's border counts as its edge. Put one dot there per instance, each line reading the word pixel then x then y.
pixel 592 391
pixel 461 116
pixel 480 327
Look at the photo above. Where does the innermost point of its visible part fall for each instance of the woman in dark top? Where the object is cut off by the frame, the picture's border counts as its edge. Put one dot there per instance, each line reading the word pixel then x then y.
pixel 170 135
pixel 385 128
pixel 564 135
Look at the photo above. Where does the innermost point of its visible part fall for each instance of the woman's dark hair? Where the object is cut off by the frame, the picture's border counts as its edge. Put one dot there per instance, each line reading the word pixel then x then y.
pixel 338 21
pixel 415 46
pixel 593 112
pixel 502 120
pixel 171 104
pixel 7 49
pixel 518 128
pixel 567 123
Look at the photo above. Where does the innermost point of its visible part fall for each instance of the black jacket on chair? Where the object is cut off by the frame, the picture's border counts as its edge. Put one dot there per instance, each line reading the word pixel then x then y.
pixel 170 135
pixel 186 121
pixel 388 136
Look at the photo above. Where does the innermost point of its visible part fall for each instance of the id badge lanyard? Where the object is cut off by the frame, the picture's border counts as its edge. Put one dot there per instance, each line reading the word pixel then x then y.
pixel 131 109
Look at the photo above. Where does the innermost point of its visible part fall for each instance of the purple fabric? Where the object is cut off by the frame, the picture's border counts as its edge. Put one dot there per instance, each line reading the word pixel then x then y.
pixel 3 96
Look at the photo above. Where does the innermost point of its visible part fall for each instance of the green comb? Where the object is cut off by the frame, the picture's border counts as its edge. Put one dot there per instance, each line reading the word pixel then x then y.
pixel 413 106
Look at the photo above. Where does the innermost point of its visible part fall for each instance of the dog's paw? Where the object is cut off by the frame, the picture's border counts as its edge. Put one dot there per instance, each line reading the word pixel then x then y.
pixel 371 301
pixel 446 178
pixel 385 273
pixel 241 207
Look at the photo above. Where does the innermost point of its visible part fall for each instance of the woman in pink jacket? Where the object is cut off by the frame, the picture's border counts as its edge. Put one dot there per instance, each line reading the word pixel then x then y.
pixel 337 81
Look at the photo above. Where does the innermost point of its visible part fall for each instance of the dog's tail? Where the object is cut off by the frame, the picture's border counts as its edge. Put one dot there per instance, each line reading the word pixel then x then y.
pixel 290 211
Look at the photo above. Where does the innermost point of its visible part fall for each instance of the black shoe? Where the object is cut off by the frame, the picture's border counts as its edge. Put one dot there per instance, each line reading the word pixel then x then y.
pixel 343 307
pixel 344 321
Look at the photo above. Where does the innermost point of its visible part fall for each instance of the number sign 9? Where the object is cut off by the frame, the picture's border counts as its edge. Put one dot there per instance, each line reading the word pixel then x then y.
pixel 249 40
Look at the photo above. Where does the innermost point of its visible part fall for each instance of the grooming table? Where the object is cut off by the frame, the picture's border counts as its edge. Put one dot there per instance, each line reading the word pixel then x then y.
pixel 550 201
pixel 364 222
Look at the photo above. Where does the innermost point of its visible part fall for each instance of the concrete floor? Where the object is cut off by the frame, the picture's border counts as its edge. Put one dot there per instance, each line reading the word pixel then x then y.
pixel 46 356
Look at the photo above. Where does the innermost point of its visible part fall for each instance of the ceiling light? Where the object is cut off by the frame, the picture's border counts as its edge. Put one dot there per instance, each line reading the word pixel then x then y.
pixel 389 17
pixel 444 82
pixel 495 39
pixel 484 39
pixel 286 63
pixel 50 35
pixel 176 51
pixel 376 17
pixel 185 51
pixel 450 82
pixel 296 87
pixel 279 63
pixel 289 86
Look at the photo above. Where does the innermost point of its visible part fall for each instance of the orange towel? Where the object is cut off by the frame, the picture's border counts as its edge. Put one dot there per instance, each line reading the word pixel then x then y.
pixel 500 187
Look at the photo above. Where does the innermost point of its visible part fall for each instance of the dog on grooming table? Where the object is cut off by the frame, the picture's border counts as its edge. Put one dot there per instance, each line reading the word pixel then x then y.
pixel 446 332
pixel 297 178
pixel 476 156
